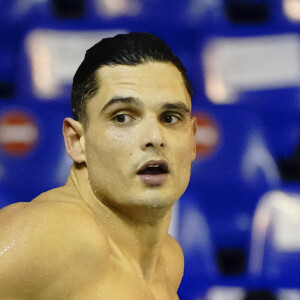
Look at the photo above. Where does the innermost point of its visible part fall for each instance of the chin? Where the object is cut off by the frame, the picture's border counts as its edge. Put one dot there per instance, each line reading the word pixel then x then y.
pixel 157 201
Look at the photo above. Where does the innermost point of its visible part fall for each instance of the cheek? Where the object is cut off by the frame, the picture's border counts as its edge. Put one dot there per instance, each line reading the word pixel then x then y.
pixel 186 155
pixel 183 156
pixel 108 152
pixel 118 139
pixel 185 148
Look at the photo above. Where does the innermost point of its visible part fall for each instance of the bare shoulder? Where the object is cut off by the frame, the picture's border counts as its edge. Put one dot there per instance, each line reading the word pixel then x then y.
pixel 174 259
pixel 40 240
pixel 49 219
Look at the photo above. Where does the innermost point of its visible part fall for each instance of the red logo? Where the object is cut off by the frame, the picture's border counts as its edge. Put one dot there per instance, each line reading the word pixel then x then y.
pixel 18 133
pixel 207 135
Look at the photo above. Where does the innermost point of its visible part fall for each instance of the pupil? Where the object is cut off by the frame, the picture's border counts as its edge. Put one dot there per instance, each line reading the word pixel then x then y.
pixel 168 119
pixel 121 118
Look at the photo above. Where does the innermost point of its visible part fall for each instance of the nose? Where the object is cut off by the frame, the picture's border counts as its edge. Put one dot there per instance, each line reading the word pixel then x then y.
pixel 152 135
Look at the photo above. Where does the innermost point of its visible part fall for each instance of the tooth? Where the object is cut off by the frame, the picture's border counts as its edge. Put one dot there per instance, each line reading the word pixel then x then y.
pixel 154 166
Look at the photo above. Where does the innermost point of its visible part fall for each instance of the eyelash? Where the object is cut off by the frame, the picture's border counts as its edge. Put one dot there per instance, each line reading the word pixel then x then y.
pixel 121 115
pixel 173 115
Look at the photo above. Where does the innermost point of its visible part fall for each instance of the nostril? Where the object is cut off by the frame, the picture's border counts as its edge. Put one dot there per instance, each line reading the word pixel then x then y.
pixel 152 145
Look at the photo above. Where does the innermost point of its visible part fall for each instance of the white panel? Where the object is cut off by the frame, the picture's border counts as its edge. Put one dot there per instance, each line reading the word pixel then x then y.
pixel 225 293
pixel 232 65
pixel 55 56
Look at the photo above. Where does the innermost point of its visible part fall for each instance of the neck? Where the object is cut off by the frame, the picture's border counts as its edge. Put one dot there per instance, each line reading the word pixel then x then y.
pixel 137 232
pixel 140 242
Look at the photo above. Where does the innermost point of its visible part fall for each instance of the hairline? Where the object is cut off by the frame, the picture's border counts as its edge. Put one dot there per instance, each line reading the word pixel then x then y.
pixel 96 78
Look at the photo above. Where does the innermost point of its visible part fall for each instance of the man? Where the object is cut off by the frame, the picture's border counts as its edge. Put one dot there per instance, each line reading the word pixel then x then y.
pixel 104 235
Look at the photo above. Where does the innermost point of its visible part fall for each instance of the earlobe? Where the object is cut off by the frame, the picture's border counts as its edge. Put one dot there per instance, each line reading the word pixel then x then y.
pixel 74 140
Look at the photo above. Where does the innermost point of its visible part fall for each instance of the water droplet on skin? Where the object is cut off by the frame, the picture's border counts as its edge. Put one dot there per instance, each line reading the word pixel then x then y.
pixel 7 248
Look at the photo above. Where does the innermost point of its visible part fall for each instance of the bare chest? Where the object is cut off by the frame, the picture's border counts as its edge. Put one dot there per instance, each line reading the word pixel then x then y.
pixel 119 281
pixel 124 287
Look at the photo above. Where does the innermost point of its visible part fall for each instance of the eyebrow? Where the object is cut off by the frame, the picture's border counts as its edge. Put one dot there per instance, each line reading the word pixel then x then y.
pixel 177 106
pixel 135 101
pixel 117 99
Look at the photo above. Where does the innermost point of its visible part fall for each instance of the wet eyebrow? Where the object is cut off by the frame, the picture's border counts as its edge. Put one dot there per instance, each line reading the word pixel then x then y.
pixel 115 100
pixel 177 106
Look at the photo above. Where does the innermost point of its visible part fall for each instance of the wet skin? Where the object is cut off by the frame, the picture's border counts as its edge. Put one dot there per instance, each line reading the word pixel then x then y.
pixel 109 240
pixel 140 114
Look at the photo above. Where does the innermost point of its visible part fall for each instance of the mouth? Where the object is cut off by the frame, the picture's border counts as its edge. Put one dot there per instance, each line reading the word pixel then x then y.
pixel 154 172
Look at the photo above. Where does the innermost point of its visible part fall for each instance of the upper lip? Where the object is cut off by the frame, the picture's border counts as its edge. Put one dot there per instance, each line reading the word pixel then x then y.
pixel 161 163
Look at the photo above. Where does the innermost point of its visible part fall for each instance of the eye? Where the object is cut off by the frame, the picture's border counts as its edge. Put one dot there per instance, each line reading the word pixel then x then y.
pixel 122 118
pixel 170 119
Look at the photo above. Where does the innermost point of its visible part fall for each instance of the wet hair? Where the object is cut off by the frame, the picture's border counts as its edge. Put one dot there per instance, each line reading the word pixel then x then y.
pixel 124 49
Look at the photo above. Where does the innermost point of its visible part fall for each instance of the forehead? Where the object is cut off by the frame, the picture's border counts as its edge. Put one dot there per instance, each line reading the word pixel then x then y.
pixel 154 81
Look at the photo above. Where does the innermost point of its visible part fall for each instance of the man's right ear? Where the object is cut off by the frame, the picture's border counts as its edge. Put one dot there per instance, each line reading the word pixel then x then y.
pixel 74 140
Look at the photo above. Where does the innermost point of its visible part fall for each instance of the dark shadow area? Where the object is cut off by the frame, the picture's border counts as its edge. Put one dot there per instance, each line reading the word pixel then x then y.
pixel 247 12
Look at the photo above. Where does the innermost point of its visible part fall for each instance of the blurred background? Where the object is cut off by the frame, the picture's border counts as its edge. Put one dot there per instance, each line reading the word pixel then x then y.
pixel 239 220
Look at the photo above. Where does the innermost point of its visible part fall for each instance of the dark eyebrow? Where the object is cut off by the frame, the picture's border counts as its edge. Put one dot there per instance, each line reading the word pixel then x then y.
pixel 117 99
pixel 177 106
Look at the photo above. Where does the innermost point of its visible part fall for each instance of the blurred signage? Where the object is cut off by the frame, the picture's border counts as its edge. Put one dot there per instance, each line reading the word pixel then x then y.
pixel 51 66
pixel 237 64
pixel 18 133
pixel 207 135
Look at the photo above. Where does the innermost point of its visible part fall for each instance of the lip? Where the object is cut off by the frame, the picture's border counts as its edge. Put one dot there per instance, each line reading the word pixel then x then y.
pixel 154 180
pixel 157 179
pixel 160 162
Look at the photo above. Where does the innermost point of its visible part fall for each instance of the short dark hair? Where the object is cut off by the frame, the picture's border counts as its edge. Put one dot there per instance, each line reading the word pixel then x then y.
pixel 124 49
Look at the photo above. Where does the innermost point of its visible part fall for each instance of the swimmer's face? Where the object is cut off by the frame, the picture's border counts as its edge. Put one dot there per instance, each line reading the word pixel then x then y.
pixel 139 142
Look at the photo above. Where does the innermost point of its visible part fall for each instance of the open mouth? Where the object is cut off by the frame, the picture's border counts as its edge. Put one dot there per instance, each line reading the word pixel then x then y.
pixel 154 172
pixel 154 168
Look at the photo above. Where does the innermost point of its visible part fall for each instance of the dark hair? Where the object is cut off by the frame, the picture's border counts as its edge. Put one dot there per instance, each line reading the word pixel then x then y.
pixel 123 49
